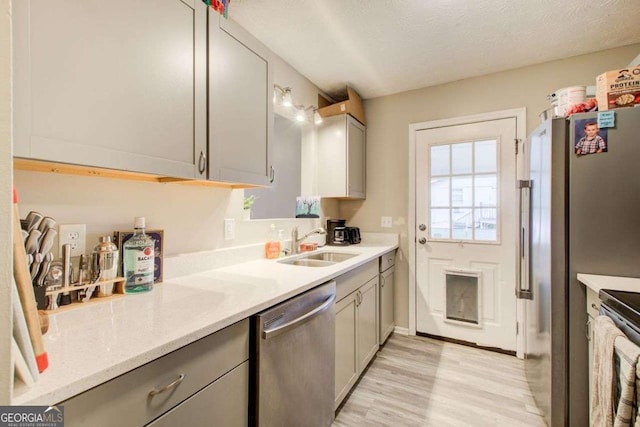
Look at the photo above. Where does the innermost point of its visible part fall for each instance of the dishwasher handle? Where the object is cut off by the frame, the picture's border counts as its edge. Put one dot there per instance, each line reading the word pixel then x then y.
pixel 270 333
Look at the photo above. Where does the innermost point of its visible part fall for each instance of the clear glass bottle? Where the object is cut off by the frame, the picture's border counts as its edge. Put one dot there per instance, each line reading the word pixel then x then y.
pixel 139 261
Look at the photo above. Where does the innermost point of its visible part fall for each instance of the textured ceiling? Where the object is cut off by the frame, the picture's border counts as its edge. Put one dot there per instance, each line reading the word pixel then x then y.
pixel 381 47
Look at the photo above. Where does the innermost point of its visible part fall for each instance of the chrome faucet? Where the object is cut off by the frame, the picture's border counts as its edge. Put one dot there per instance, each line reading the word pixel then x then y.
pixel 295 240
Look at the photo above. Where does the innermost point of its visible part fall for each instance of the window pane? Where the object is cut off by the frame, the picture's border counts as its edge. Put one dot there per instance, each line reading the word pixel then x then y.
pixel 486 156
pixel 486 224
pixel 462 224
pixel 439 224
pixel 486 190
pixel 461 156
pixel 440 192
pixel 440 160
pixel 462 191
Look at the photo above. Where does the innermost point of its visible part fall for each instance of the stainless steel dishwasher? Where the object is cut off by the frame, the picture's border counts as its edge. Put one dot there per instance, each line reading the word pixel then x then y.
pixel 293 361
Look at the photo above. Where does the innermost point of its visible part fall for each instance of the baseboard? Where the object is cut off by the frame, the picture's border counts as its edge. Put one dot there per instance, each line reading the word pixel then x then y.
pixel 467 343
pixel 401 331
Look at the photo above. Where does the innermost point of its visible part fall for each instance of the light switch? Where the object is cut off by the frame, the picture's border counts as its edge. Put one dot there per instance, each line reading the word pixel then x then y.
pixel 386 222
pixel 229 229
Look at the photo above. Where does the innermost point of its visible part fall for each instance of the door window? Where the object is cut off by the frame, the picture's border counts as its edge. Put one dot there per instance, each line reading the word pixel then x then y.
pixel 463 202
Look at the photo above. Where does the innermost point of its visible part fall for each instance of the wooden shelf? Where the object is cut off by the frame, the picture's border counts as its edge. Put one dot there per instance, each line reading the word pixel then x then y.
pixel 67 169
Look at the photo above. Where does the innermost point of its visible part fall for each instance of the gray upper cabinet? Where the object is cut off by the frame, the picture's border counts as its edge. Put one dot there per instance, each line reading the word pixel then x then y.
pixel 119 84
pixel 341 158
pixel 240 104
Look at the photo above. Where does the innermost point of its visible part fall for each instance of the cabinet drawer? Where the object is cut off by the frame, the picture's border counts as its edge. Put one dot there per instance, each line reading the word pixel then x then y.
pixel 224 403
pixel 593 303
pixel 352 280
pixel 126 400
pixel 387 260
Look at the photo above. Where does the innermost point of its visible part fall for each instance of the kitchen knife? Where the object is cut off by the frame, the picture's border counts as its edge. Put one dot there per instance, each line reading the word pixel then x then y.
pixel 31 245
pixel 44 269
pixel 33 220
pixel 46 243
pixel 25 290
pixel 47 223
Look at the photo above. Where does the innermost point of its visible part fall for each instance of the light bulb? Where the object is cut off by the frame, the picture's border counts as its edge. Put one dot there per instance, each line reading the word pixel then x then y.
pixel 317 118
pixel 300 116
pixel 287 100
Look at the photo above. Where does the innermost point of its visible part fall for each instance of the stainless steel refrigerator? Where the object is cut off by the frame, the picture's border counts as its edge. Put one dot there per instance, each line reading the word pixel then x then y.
pixel 580 214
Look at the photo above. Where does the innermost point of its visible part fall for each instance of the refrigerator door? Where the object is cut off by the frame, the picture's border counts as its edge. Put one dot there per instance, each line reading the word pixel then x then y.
pixel 544 312
pixel 538 334
pixel 604 230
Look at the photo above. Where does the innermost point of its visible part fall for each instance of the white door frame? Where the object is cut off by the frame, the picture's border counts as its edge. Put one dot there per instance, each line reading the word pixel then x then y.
pixel 520 114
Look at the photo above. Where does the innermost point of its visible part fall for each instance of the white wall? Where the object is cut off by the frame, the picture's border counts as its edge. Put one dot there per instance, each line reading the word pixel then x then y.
pixel 6 265
pixel 388 120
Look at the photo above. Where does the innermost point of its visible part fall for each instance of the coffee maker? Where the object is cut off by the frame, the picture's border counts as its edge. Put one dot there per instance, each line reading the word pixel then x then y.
pixel 337 234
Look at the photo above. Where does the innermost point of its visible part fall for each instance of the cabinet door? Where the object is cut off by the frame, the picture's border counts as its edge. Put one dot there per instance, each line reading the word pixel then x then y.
pixel 341 157
pixel 356 153
pixel 116 84
pixel 223 403
pixel 346 347
pixel 387 322
pixel 332 157
pixel 367 329
pixel 240 104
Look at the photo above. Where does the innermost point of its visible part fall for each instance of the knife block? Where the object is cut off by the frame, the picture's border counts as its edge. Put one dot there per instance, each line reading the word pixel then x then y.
pixel 118 292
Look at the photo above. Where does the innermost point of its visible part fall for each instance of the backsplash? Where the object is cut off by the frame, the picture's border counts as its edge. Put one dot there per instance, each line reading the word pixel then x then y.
pixel 191 216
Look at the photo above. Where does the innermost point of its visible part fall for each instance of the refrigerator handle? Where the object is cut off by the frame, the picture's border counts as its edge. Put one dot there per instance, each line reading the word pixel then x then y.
pixel 523 288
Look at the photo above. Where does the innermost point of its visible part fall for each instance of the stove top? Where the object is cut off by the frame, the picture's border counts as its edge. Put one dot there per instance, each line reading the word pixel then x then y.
pixel 627 304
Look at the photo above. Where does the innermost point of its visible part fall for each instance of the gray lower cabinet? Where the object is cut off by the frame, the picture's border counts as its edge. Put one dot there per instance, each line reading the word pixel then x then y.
pixel 240 104
pixel 342 157
pixel 387 289
pixel 222 403
pixel 367 323
pixel 118 84
pixel 356 326
pixel 346 346
pixel 387 295
pixel 205 380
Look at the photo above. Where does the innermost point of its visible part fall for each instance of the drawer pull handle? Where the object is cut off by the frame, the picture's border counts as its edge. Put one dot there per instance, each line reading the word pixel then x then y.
pixel 169 386
pixel 594 306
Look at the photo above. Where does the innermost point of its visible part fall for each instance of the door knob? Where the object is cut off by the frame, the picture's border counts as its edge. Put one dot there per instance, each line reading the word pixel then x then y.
pixel 422 227
pixel 422 241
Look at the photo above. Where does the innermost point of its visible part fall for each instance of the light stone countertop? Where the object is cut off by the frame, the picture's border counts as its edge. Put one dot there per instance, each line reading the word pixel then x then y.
pixel 616 283
pixel 91 345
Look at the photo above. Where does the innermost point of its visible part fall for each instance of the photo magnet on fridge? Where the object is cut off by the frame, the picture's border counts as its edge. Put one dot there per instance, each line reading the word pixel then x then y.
pixel 589 138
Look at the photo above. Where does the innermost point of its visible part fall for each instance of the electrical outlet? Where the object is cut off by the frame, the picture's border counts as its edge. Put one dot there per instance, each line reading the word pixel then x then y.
pixel 73 234
pixel 229 229
pixel 386 222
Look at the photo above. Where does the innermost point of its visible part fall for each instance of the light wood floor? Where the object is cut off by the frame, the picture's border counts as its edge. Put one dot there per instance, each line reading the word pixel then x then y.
pixel 417 381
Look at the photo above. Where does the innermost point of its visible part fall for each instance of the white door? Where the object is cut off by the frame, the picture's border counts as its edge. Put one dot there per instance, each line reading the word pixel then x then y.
pixel 466 222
